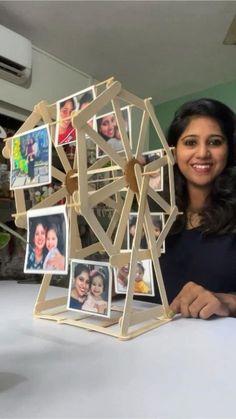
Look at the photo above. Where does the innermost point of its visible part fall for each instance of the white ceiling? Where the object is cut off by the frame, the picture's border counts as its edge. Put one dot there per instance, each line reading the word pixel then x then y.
pixel 162 49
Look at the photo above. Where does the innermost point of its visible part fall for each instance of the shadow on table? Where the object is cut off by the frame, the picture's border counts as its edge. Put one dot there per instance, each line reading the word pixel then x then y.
pixel 9 380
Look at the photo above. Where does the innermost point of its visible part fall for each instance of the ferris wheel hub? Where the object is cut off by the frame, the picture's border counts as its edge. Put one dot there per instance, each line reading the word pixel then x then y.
pixel 71 182
pixel 130 174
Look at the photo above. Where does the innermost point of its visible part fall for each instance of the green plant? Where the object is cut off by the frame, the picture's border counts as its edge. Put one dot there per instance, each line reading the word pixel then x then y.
pixel 5 237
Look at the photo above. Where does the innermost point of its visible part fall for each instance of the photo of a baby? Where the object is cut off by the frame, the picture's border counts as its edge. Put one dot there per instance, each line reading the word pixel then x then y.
pixel 143 283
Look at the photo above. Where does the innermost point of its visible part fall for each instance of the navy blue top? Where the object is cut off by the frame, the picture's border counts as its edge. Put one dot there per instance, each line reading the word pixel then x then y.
pixel 74 303
pixel 209 261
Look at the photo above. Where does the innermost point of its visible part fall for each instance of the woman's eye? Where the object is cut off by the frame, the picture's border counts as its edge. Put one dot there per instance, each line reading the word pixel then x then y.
pixel 190 142
pixel 216 142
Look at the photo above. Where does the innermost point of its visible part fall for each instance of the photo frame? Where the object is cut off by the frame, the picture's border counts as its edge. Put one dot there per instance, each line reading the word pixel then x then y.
pixel 109 131
pixel 90 287
pixel 30 163
pixel 158 225
pixel 156 180
pixel 47 241
pixel 144 284
pixel 65 133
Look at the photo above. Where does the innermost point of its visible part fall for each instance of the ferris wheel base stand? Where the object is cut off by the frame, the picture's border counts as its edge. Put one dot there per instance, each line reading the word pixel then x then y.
pixel 142 319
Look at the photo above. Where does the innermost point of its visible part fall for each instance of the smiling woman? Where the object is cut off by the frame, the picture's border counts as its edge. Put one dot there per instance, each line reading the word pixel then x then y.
pixel 80 286
pixel 199 267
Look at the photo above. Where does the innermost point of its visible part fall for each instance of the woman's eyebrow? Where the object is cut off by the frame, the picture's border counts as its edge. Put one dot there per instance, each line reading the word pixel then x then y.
pixel 189 136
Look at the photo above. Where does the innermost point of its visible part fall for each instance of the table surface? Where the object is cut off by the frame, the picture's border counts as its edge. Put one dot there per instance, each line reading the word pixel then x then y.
pixel 184 369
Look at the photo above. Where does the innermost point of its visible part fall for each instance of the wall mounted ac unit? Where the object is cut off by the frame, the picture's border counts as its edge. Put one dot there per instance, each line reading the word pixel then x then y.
pixel 15 57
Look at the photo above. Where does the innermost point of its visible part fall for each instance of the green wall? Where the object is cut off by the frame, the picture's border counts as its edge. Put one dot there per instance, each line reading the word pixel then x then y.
pixel 165 111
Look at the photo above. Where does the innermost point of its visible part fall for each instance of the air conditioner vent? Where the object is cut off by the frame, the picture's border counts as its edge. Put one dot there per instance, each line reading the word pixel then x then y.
pixel 11 67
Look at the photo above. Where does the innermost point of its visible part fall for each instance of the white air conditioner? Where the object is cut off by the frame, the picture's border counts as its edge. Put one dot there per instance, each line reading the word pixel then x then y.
pixel 15 57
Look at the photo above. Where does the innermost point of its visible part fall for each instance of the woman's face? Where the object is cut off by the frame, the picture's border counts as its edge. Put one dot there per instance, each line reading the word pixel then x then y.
pixel 97 286
pixel 65 112
pixel 51 240
pixel 108 126
pixel 40 237
pixel 82 283
pixel 201 152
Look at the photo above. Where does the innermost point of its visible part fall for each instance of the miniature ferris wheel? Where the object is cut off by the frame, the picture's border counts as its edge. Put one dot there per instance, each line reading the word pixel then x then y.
pixel 123 180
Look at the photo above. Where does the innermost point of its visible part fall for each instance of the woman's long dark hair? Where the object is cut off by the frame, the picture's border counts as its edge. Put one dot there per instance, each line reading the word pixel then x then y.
pixel 219 215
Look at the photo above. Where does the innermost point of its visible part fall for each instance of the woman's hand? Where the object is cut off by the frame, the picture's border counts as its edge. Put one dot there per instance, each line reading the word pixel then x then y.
pixel 195 301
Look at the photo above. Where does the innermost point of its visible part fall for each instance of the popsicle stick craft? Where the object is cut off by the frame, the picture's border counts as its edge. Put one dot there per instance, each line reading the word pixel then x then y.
pixel 104 192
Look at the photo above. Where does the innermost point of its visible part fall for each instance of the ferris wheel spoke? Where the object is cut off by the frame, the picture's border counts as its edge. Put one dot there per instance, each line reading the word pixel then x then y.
pixel 142 135
pixel 158 129
pixel 75 241
pixel 98 164
pixel 64 159
pixel 122 129
pixel 159 200
pixel 53 199
pixel 124 216
pixel 102 194
pixel 58 174
pixel 155 165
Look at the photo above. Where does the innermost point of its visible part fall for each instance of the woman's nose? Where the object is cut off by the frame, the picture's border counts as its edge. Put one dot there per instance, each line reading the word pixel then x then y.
pixel 203 151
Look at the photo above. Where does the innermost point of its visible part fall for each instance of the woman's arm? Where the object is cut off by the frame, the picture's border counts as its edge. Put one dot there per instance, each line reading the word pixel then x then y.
pixel 195 301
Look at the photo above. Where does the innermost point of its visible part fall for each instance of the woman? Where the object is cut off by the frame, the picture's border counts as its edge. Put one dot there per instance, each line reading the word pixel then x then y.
pixel 30 156
pixel 80 286
pixel 199 267
pixel 66 132
pixel 107 127
pixel 37 249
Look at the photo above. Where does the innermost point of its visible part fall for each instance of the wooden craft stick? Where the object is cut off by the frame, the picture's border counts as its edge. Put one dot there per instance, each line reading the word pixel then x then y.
pixel 159 200
pixel 132 99
pixel 152 247
pixel 142 135
pixel 120 259
pixel 101 194
pixel 122 129
pixel 103 170
pixel 122 224
pixel 158 129
pixel 104 179
pixel 155 165
pixel 58 174
pixel 134 254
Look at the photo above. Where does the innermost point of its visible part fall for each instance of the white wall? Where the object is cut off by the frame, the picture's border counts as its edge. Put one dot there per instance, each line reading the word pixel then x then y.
pixel 52 79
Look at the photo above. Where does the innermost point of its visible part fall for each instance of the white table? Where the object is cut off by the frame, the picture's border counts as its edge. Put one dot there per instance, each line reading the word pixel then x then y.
pixel 184 369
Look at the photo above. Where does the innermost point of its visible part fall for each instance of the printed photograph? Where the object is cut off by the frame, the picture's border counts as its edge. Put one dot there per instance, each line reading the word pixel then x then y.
pixel 108 129
pixel 143 279
pixel 65 133
pixel 31 159
pixel 47 241
pixel 90 287
pixel 158 224
pixel 156 179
